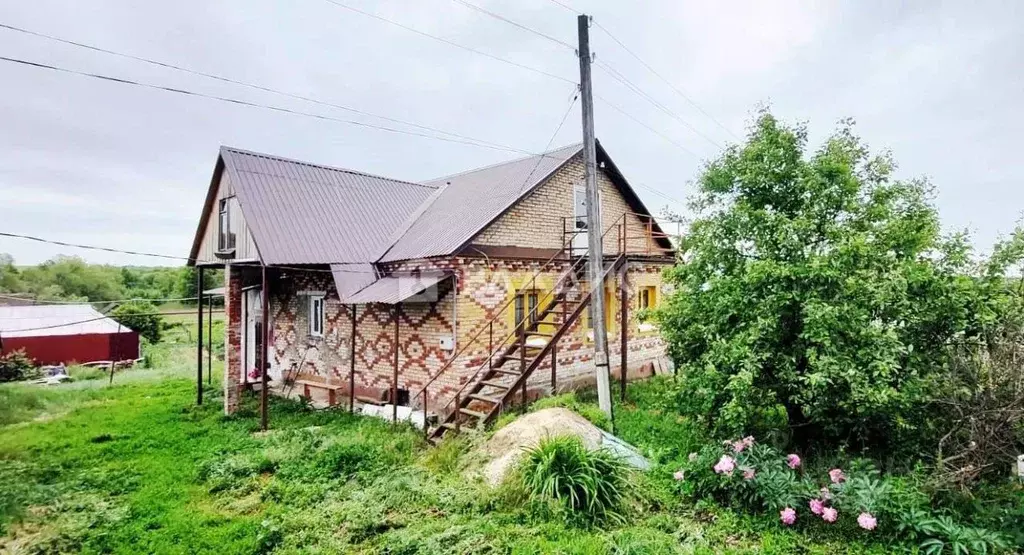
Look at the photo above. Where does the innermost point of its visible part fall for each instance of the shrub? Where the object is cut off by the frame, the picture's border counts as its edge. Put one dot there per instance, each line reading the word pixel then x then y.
pixel 16 366
pixel 590 484
pixel 816 287
pixel 757 477
pixel 140 317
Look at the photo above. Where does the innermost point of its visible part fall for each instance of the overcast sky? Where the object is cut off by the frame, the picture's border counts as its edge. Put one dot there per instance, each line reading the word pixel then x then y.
pixel 941 84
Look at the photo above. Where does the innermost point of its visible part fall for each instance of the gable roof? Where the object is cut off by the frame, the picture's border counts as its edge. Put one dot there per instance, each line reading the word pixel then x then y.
pixel 301 213
pixel 471 200
pixel 52 320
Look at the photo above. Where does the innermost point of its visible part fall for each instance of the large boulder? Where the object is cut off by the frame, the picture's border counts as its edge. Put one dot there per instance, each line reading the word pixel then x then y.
pixel 507 445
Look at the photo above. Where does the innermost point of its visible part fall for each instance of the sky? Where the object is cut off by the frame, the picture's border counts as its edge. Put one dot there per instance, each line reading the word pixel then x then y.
pixel 939 84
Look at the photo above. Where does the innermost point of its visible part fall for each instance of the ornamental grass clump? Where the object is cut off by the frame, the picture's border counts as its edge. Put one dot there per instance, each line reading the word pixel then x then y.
pixel 591 484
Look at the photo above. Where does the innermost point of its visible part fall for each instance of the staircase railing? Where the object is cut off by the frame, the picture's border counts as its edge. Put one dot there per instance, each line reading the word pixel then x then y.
pixel 519 326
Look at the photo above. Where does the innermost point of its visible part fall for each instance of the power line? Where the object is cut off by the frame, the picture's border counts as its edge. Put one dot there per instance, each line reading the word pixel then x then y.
pixel 566 6
pixel 639 91
pixel 244 84
pixel 111 301
pixel 167 256
pixel 561 122
pixel 449 42
pixel 256 105
pixel 660 194
pixel 648 127
pixel 663 79
pixel 515 24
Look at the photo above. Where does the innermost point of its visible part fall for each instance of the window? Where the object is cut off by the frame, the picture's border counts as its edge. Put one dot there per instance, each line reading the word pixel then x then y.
pixel 525 300
pixel 316 315
pixel 225 234
pixel 647 297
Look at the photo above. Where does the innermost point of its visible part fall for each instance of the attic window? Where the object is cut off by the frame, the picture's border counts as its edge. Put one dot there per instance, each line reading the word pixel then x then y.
pixel 225 233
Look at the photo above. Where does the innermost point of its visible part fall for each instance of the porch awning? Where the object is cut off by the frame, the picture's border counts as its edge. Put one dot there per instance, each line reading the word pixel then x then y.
pixel 413 288
pixel 349 279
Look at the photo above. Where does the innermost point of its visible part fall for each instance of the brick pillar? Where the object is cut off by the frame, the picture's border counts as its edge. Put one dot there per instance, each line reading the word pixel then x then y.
pixel 232 337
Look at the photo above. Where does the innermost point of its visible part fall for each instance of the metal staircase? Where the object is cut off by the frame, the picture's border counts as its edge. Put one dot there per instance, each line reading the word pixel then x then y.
pixel 509 366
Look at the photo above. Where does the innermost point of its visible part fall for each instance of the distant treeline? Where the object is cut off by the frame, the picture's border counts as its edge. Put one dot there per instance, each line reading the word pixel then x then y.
pixel 71 278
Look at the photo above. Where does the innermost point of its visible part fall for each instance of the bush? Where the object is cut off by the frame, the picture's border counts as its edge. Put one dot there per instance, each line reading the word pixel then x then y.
pixel 140 317
pixel 16 366
pixel 588 484
pixel 817 296
pixel 856 498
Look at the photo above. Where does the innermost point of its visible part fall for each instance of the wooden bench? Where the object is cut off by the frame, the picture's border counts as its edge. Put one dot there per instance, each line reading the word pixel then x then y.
pixel 332 390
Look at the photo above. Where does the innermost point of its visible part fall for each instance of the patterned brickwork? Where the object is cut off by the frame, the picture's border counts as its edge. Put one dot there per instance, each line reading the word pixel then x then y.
pixel 536 221
pixel 484 288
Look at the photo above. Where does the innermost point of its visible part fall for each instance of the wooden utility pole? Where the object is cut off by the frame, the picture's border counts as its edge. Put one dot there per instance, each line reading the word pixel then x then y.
pixel 595 251
pixel 199 337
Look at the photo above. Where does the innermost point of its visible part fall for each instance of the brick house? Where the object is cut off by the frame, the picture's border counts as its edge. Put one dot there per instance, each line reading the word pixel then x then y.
pixel 451 297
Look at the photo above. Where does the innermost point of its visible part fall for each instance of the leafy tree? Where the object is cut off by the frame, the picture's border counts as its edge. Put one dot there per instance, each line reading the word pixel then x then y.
pixel 140 317
pixel 816 292
pixel 10 277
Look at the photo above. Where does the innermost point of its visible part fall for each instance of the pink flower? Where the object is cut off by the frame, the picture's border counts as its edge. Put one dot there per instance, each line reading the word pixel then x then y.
pixel 738 446
pixel 788 516
pixel 836 475
pixel 793 460
pixel 725 465
pixel 748 441
pixel 817 506
pixel 828 514
pixel 692 457
pixel 679 475
pixel 749 473
pixel 825 493
pixel 866 521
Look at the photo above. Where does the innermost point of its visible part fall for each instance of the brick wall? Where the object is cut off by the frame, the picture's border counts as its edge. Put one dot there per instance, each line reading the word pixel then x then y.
pixel 232 337
pixel 484 288
pixel 537 220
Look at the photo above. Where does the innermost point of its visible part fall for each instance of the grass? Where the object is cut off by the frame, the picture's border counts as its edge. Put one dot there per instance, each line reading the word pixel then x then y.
pixel 137 467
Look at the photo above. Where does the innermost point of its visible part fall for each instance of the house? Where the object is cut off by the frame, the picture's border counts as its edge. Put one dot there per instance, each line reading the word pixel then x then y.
pixel 452 296
pixel 55 334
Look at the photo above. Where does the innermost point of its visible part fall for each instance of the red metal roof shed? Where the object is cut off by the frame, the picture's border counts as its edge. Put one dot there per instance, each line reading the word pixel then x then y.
pixel 54 334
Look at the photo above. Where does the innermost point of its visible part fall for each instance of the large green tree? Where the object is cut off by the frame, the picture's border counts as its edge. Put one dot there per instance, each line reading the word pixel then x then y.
pixel 815 292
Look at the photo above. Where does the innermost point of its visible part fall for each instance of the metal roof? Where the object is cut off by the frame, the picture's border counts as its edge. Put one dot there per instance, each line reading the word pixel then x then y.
pixel 55 320
pixel 399 288
pixel 468 201
pixel 301 213
pixel 349 279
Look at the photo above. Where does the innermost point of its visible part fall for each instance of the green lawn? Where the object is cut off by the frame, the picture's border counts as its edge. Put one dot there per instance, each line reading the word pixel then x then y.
pixel 136 467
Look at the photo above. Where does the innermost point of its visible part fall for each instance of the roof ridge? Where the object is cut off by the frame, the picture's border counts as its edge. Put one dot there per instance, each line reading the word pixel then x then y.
pixel 574 146
pixel 320 166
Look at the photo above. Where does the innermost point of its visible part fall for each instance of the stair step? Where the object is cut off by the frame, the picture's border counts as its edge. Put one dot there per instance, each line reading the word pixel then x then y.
pixel 473 413
pixel 494 384
pixel 501 370
pixel 540 333
pixel 486 399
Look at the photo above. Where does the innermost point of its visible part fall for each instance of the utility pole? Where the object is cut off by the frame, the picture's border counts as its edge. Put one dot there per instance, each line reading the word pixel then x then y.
pixel 595 251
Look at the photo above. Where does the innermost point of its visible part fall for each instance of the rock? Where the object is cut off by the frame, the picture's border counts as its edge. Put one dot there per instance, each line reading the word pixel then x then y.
pixel 508 444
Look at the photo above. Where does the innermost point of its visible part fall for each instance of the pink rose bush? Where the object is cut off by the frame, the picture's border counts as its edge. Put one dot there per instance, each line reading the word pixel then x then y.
pixel 742 472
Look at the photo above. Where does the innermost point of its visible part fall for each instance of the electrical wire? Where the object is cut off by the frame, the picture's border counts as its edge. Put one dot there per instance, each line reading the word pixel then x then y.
pixel 515 24
pixel 111 301
pixel 254 104
pixel 643 94
pixel 566 6
pixel 648 127
pixel 449 42
pixel 663 79
pixel 561 122
pixel 245 84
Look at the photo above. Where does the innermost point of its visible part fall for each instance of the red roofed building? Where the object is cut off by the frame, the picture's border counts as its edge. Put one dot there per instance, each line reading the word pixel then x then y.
pixel 55 334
